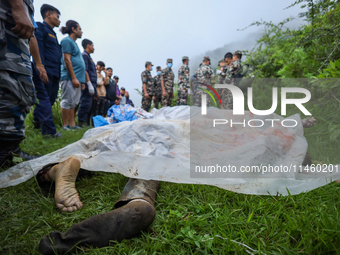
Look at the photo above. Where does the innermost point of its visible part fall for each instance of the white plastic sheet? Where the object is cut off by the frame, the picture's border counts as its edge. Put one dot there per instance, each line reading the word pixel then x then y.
pixel 159 149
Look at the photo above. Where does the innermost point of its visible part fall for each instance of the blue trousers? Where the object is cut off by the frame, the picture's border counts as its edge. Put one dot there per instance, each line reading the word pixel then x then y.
pixel 52 88
pixel 43 108
pixel 85 109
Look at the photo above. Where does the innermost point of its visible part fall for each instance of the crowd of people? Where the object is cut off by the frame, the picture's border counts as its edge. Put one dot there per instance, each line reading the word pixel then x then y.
pixel 84 87
pixel 88 89
pixel 86 92
pixel 159 89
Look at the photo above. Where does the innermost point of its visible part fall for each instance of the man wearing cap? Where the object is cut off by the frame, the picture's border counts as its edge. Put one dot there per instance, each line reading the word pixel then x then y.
pixel 183 82
pixel 204 75
pixel 148 86
pixel 157 96
pixel 116 80
pixel 233 68
pixel 226 96
pixel 167 83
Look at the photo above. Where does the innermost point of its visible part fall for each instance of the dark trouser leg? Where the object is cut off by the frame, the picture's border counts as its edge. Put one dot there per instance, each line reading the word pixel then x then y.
pixel 158 100
pixel 16 98
pixel 52 88
pixel 134 213
pixel 43 110
pixel 146 103
pixel 85 107
pixel 101 105
pixel 108 104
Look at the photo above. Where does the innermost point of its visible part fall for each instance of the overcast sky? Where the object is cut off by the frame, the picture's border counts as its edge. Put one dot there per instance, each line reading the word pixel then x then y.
pixel 128 33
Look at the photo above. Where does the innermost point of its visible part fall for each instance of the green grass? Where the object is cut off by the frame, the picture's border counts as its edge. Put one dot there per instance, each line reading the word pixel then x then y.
pixel 189 215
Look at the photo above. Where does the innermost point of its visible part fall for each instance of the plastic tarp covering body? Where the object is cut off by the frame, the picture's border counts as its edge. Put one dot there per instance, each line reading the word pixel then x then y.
pixel 159 149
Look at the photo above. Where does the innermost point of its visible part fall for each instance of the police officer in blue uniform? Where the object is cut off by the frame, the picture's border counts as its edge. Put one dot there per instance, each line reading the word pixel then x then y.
pixel 50 54
pixel 87 95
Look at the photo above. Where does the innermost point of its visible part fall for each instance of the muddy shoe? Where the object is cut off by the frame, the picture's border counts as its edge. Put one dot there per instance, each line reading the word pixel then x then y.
pixel 97 231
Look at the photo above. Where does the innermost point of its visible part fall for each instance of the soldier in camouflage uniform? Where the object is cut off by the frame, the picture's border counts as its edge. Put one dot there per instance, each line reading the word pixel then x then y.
pixel 157 95
pixel 17 94
pixel 183 82
pixel 204 75
pixel 148 86
pixel 234 68
pixel 167 83
pixel 225 94
pixel 220 78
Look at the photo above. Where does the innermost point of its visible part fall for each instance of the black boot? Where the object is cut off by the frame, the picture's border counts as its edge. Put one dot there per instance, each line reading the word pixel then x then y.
pixel 7 147
pixel 24 155
pixel 136 212
pixel 97 231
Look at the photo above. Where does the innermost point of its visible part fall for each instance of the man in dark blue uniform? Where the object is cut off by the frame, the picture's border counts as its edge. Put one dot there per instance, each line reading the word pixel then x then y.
pixel 50 54
pixel 87 95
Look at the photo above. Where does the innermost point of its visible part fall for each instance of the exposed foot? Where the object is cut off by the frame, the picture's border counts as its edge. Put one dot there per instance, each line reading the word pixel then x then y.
pixel 307 123
pixel 64 174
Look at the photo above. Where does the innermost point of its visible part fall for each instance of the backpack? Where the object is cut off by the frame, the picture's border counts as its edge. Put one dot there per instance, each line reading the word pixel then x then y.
pixel 245 77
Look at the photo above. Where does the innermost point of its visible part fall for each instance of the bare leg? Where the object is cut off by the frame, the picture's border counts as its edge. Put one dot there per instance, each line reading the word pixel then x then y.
pixel 71 120
pixel 64 116
pixel 64 174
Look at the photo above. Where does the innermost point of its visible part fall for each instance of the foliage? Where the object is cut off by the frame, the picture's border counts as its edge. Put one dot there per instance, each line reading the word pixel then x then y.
pixel 301 53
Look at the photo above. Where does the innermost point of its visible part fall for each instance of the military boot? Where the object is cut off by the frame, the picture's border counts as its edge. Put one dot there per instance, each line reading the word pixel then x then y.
pixel 134 213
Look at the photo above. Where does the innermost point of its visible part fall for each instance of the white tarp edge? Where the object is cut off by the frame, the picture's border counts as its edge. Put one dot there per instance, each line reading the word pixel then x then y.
pixel 160 149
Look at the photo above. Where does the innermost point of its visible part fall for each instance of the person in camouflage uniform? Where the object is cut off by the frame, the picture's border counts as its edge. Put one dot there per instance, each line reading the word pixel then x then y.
pixel 17 94
pixel 167 83
pixel 220 78
pixel 148 86
pixel 204 75
pixel 225 94
pixel 183 82
pixel 157 95
pixel 233 68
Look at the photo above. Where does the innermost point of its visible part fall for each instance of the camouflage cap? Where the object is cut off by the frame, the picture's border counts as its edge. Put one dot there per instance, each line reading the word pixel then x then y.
pixel 221 60
pixel 206 58
pixel 169 60
pixel 185 58
pixel 238 52
pixel 148 63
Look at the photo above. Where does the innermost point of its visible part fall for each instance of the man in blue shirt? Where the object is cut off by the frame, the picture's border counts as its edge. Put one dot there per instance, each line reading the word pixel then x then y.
pixel 50 54
pixel 84 113
pixel 72 73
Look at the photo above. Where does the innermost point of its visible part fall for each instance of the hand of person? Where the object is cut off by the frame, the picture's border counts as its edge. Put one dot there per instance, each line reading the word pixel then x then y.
pixel 42 73
pixel 24 28
pixel 146 95
pixel 82 86
pixel 90 87
pixel 96 98
pixel 75 83
pixel 164 94
pixel 154 98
